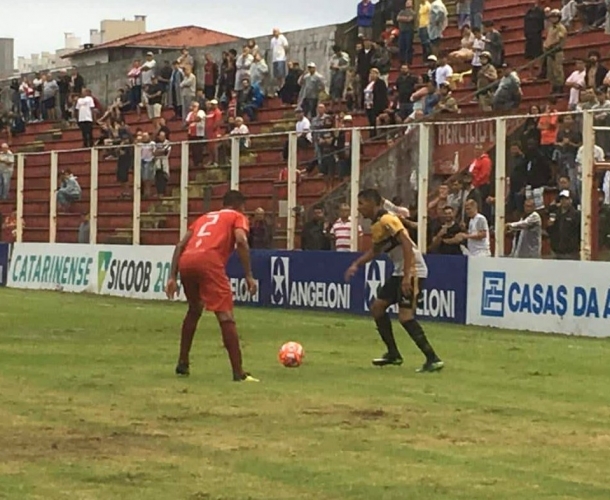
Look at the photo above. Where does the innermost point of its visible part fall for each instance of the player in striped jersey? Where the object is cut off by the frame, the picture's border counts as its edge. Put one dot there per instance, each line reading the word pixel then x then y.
pixel 403 287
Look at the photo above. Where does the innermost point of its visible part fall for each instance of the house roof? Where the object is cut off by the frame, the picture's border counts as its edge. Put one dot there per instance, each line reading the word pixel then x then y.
pixel 189 36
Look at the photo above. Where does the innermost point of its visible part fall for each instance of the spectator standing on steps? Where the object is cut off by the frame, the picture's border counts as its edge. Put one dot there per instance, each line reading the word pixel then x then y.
pixel 364 18
pixel 261 234
pixel 555 40
pixel 533 27
pixel 341 231
pixel 84 110
pixel 439 19
pixel 188 89
pixel 312 84
pixel 477 237
pixel 476 13
pixel 7 165
pixel 406 25
pixel 279 52
pixel 423 22
pixel 494 44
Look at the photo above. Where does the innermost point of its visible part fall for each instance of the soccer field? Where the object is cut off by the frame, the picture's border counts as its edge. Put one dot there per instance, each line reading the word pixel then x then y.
pixel 90 409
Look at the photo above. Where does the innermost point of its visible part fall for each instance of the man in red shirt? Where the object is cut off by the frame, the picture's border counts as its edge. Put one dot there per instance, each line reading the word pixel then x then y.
pixel 201 258
pixel 213 124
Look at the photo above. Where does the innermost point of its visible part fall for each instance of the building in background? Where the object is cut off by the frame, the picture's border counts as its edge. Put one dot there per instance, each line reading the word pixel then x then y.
pixel 49 60
pixel 113 29
pixel 7 57
pixel 157 41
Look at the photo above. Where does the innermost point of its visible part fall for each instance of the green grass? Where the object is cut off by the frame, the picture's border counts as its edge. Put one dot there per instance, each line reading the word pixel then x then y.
pixel 90 409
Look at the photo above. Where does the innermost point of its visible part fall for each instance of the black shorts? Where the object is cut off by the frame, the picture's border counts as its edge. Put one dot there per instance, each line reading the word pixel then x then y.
pixel 49 103
pixel 391 292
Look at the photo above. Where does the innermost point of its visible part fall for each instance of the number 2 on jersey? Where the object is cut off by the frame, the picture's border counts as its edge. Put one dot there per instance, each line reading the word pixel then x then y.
pixel 203 232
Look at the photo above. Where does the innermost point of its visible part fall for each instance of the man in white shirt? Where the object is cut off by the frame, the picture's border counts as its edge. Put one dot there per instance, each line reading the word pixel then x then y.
pixel 477 238
pixel 444 72
pixel 84 110
pixel 577 81
pixel 195 120
pixel 341 231
pixel 148 69
pixel 241 129
pixel 303 129
pixel 279 50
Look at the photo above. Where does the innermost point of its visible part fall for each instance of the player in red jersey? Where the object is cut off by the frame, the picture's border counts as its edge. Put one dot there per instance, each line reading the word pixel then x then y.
pixel 201 258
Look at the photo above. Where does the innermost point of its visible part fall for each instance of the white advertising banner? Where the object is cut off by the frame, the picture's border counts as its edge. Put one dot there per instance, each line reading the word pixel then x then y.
pixel 40 266
pixel 540 295
pixel 138 272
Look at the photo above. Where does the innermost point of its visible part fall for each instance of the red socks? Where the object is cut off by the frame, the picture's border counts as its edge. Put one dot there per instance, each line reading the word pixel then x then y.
pixel 230 340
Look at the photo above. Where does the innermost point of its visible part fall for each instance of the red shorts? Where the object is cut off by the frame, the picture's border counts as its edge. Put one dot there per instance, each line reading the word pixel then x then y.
pixel 205 280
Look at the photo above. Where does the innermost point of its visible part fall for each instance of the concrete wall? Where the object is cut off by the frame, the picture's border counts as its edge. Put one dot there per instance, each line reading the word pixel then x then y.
pixel 7 56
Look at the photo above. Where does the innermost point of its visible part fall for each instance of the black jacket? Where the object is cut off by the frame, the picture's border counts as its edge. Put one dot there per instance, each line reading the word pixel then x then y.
pixel 364 65
pixel 314 236
pixel 565 232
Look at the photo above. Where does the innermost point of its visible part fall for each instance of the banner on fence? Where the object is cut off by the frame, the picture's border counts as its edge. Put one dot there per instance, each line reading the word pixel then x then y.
pixel 4 253
pixel 545 295
pixel 308 280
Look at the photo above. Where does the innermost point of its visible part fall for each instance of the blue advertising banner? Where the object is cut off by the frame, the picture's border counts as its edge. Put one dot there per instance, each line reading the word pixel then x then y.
pixel 4 253
pixel 314 280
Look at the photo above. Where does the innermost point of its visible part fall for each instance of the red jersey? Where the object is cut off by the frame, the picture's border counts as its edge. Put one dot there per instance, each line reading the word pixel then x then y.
pixel 214 234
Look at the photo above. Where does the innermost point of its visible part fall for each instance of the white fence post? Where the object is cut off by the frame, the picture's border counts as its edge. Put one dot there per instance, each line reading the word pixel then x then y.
pixel 292 190
pixel 20 184
pixel 93 196
pixel 184 188
pixel 137 193
pixel 234 162
pixel 422 186
pixel 355 187
pixel 500 205
pixel 588 173
pixel 53 199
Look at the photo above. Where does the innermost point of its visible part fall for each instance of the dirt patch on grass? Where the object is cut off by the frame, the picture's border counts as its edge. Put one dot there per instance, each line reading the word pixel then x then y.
pixel 26 444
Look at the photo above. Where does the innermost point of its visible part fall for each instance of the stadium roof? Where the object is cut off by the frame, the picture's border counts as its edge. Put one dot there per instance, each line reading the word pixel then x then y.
pixel 172 38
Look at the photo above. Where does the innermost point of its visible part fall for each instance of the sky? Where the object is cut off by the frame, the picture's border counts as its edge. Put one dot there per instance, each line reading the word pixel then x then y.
pixel 44 23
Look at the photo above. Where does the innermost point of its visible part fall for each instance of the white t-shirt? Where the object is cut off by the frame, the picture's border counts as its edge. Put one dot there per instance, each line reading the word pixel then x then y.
pixel 147 75
pixel 479 248
pixel 147 151
pixel 342 231
pixel 84 106
pixel 37 84
pixel 478 46
pixel 580 78
pixel 196 129
pixel 304 127
pixel 278 48
pixel 443 73
pixel 242 130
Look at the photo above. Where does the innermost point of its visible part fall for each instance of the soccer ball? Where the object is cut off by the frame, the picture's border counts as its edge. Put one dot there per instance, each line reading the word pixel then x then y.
pixel 291 354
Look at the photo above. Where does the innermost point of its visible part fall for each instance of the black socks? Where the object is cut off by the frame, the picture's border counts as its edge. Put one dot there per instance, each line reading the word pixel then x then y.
pixel 384 327
pixel 416 332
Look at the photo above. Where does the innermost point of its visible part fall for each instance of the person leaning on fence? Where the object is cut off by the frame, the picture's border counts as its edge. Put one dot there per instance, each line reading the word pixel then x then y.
pixel 69 190
pixel 527 233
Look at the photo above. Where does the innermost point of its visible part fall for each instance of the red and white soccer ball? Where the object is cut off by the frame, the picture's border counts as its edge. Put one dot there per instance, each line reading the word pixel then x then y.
pixel 291 354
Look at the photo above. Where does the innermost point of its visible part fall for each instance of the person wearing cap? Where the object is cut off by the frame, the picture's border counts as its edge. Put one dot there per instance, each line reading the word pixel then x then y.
pixel 485 77
pixel 312 84
pixel 553 45
pixel 213 128
pixel 432 62
pixel 508 94
pixel 148 69
pixel 564 229
pixel 527 233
